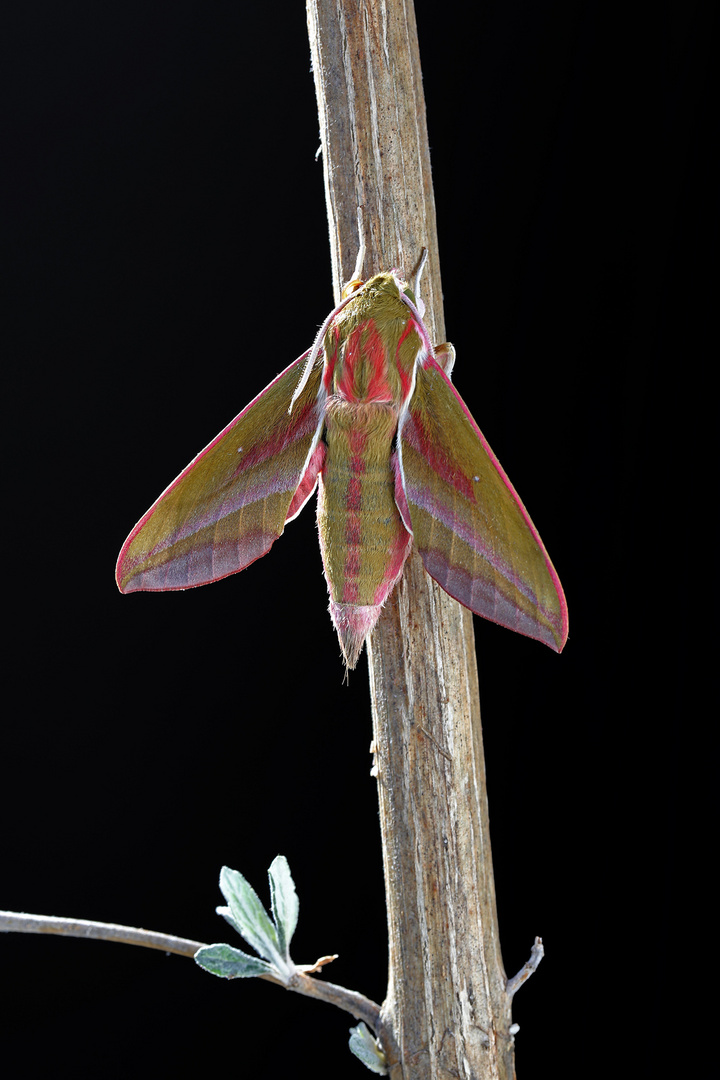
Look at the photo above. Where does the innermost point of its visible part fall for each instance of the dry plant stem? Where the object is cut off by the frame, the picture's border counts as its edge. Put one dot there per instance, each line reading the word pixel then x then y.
pixel 536 954
pixel 447 1010
pixel 357 1005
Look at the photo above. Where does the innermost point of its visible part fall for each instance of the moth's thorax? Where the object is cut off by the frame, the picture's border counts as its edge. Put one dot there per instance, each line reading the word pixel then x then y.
pixel 371 346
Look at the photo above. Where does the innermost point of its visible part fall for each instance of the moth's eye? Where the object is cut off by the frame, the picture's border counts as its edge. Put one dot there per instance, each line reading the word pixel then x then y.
pixel 351 287
pixel 410 295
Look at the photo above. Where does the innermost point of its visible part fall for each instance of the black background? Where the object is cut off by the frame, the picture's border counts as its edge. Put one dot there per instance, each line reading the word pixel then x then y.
pixel 165 255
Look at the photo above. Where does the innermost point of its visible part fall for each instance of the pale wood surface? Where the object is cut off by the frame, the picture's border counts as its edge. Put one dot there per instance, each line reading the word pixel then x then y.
pixel 447 1012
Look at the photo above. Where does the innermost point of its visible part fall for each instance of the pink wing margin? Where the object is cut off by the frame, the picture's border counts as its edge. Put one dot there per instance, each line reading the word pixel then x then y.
pixel 230 504
pixel 475 537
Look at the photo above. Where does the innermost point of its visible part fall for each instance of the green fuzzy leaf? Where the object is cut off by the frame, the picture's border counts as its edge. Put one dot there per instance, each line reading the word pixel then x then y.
pixel 249 916
pixel 231 963
pixel 366 1048
pixel 284 902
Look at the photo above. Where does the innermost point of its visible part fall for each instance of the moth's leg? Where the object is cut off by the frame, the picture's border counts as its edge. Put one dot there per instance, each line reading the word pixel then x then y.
pixel 445 356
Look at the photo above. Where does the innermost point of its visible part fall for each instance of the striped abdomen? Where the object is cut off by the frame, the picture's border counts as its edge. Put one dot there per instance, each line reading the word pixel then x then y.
pixel 363 541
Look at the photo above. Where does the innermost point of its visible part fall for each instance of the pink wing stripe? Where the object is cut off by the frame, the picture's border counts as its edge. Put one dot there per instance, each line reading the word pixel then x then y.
pixel 444 514
pixel 213 536
pixel 432 363
pixel 222 507
pixel 296 363
pixel 308 483
pixel 484 600
pixel 205 563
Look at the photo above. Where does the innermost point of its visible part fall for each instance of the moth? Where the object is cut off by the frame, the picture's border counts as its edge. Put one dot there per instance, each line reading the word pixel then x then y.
pixel 370 418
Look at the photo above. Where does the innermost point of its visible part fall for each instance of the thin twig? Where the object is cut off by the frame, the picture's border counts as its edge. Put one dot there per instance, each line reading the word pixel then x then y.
pixel 536 954
pixel 356 1004
pixel 21 923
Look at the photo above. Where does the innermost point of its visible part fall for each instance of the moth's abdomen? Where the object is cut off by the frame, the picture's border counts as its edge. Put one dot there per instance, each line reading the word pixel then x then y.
pixel 363 540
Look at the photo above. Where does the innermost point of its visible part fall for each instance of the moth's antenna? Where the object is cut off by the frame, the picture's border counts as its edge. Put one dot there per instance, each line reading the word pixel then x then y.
pixel 416 282
pixel 356 282
pixel 418 272
pixel 361 249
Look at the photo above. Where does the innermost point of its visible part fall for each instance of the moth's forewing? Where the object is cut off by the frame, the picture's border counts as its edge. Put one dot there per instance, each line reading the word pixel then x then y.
pixel 473 532
pixel 229 505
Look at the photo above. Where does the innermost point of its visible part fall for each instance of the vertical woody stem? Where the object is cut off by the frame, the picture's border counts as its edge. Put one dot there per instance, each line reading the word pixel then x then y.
pixel 447 1012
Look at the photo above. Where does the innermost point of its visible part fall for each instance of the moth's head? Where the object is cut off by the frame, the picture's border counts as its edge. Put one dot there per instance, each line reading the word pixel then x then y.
pixel 384 281
pixel 393 279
